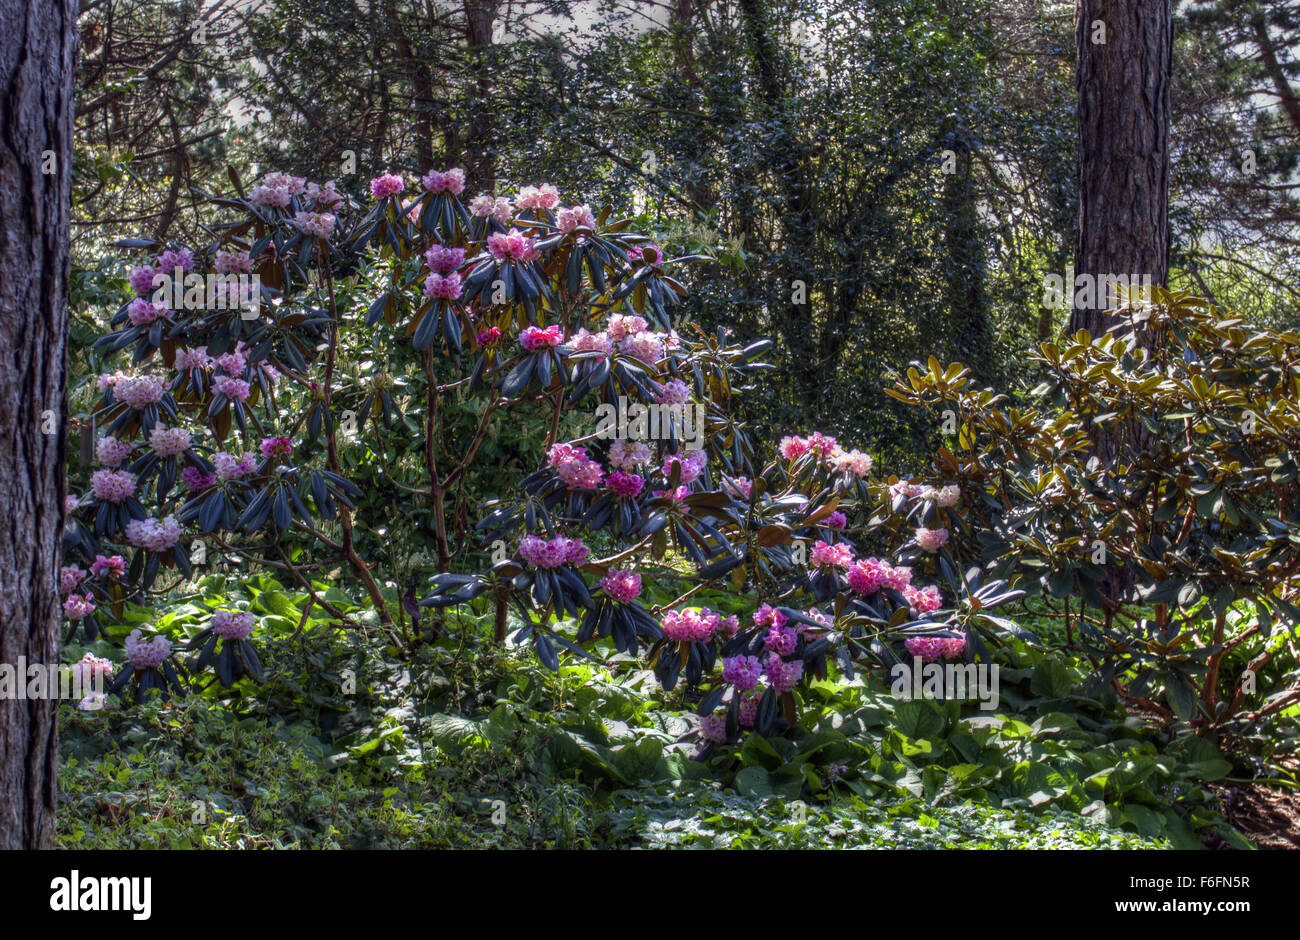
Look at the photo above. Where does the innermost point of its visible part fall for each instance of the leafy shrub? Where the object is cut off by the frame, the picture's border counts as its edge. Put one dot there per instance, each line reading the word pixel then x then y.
pixel 1152 478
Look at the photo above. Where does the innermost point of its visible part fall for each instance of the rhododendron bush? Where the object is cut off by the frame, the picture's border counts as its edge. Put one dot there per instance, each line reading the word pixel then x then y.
pixel 230 420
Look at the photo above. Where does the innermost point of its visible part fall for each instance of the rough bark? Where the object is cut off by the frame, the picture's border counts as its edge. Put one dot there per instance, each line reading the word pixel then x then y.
pixel 1123 174
pixel 480 146
pixel 37 42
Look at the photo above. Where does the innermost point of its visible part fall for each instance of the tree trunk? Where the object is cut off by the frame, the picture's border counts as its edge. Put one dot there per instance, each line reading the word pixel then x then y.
pixel 1123 174
pixel 37 43
pixel 480 147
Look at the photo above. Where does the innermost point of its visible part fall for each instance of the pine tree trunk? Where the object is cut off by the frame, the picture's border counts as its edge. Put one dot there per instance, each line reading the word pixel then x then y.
pixel 37 45
pixel 1123 175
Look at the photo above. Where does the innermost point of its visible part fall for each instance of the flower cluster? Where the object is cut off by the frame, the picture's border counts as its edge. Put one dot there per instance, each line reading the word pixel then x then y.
pixel 560 550
pixel 448 181
pixel 232 624
pixel 511 246
pixel 933 648
pixel 692 624
pixel 535 337
pixel 622 586
pixel 574 467
pixel 147 653
pixel 155 535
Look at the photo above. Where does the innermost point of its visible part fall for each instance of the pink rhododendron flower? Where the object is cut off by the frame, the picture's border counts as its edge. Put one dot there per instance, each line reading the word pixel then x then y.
pixel 442 288
pixel 674 392
pixel 583 341
pixel 825 555
pixel 233 262
pixel 169 442
pixel 90 667
pixel 781 640
pixel 141 279
pixel 783 676
pixel 792 448
pixel 114 567
pixel 486 206
pixel 692 465
pixel 931 540
pixel 315 224
pixel 925 599
pixel 196 358
pixel 142 312
pixel 511 246
pixel 692 624
pixel 78 607
pixel 488 337
pixel 743 672
pixel 233 362
pixel 443 260
pixel 449 181
pixel 174 258
pixel 622 586
pixel 195 479
pixel 853 461
pixel 945 496
pixel 232 624
pixel 574 467
pixel 560 550
pixel 625 484
pixel 229 467
pixel 644 347
pixel 111 451
pixel 747 713
pixel 621 326
pixel 929 648
pixel 713 728
pixel 69 577
pixel 233 388
pixel 70 503
pixel 276 447
pixel 534 338
pixel 567 220
pixel 629 455
pixel 769 616
pixel 538 197
pixel 738 486
pixel 112 486
pixel 323 197
pixel 147 654
pixel 155 535
pixel 388 184
pixel 905 490
pixel 139 392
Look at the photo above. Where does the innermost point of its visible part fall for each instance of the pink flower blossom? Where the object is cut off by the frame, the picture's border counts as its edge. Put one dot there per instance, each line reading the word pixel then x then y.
pixel 90 667
pixel 141 279
pixel 78 607
pixel 692 624
pixel 196 480
pixel 629 455
pixel 114 567
pixel 147 654
pixel 449 181
pixel 625 484
pixel 233 388
pixel 674 392
pixel 488 337
pixel 854 462
pixel 713 728
pixel 560 550
pixel 486 206
pixel 781 640
pixel 575 217
pixel 169 442
pixel 538 197
pixel 142 312
pixel 944 496
pixel 769 616
pixel 69 577
pixel 442 288
pixel 743 672
pixel 622 586
pixel 232 624
pixel 740 487
pixel 511 246
pixel 836 521
pixel 443 260
pixel 381 187
pixel 174 258
pixel 783 676
pixel 574 467
pixel 155 535
pixel 826 555
pixel 112 452
pixel 139 392
pixel 112 486
pixel 196 358
pixel 583 341
pixel 931 540
pixel 692 465
pixel 315 224
pixel 925 599
pixel 323 197
pixel 276 447
pixel 534 338
pixel 622 325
